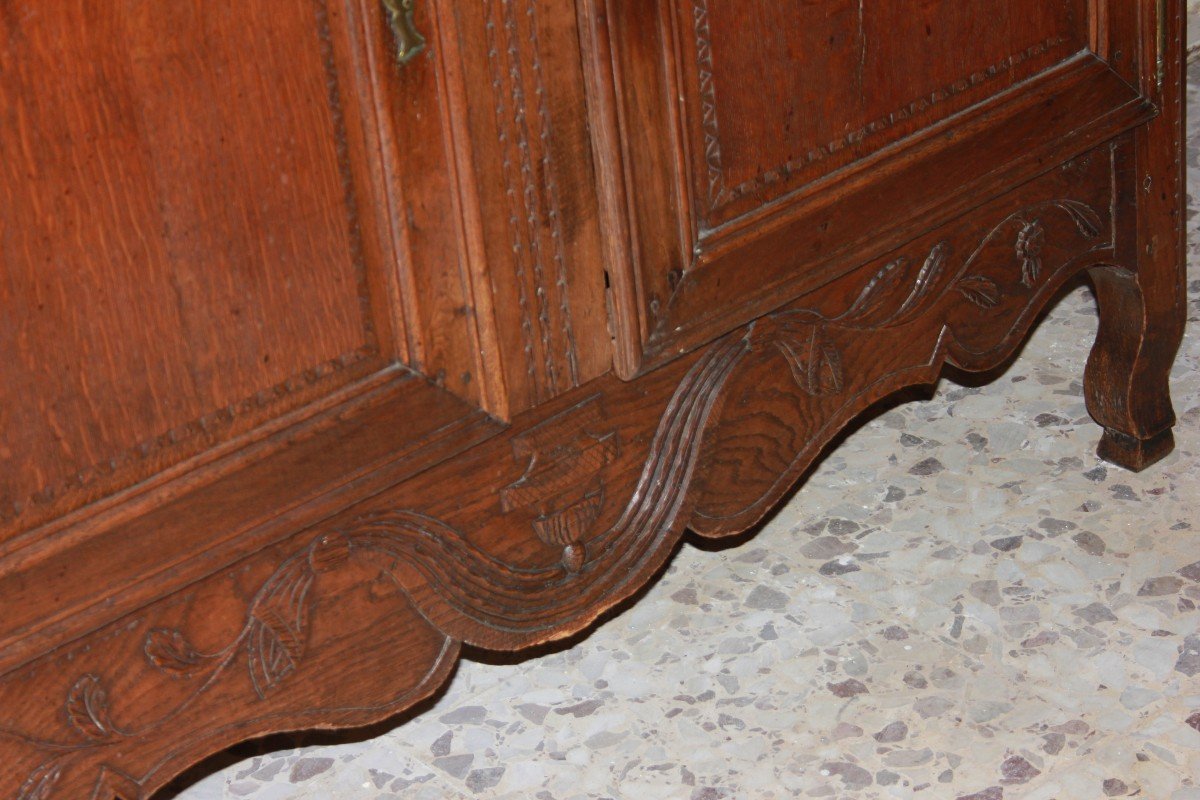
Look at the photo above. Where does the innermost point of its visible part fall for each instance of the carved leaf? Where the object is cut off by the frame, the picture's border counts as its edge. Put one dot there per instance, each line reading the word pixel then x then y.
pixel 927 278
pixel 116 784
pixel 867 311
pixel 825 370
pixel 279 625
pixel 1030 241
pixel 816 364
pixel 172 653
pixel 1084 217
pixel 980 290
pixel 87 708
pixel 1031 268
pixel 41 782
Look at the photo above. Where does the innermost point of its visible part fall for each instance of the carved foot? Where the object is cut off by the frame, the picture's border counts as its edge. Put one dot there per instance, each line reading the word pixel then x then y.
pixel 1126 383
pixel 1143 308
pixel 1135 454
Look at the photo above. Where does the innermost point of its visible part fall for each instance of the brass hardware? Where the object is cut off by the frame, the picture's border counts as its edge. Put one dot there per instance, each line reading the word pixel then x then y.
pixel 409 41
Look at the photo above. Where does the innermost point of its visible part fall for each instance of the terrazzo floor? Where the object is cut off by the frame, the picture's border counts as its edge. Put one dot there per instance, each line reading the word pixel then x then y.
pixel 962 602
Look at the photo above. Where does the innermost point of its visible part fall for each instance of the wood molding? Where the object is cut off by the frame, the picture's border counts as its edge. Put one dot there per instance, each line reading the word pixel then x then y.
pixel 323 567
pixel 720 192
pixel 535 217
pixel 946 304
pixel 177 533
pixel 706 90
pixel 523 299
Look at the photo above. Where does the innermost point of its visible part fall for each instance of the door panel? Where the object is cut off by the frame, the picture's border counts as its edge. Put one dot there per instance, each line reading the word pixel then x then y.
pixel 171 280
pixel 884 70
pixel 735 118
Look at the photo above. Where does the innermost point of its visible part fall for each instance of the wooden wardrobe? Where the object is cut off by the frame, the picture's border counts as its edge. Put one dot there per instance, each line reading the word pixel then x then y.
pixel 338 334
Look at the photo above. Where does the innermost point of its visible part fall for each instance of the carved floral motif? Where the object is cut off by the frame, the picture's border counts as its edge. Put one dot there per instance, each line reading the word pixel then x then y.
pixel 562 483
pixel 805 337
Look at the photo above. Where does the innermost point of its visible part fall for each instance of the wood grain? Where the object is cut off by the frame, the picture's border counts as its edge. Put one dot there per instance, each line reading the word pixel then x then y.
pixel 963 294
pixel 1142 295
pixel 758 143
pixel 217 251
pixel 493 199
pixel 524 310
pixel 770 187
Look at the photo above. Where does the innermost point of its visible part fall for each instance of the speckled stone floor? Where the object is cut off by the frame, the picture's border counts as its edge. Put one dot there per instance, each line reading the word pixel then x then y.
pixel 961 603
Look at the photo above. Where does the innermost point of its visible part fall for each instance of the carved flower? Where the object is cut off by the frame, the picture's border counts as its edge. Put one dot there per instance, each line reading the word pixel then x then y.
pixel 1030 241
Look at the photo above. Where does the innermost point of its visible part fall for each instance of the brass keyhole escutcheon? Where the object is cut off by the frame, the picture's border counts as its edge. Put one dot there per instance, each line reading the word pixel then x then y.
pixel 409 41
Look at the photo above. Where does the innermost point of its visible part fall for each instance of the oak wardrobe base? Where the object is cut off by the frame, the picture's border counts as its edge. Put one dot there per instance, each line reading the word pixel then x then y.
pixel 505 537
pixel 323 567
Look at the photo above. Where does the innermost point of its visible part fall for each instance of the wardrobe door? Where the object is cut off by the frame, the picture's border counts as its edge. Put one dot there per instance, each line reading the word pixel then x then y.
pixel 188 247
pixel 766 148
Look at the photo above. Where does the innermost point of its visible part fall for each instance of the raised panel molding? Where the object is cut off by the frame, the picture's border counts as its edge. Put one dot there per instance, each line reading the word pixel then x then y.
pixel 252 417
pixel 720 193
pixel 792 245
pixel 526 202
pixel 923 106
